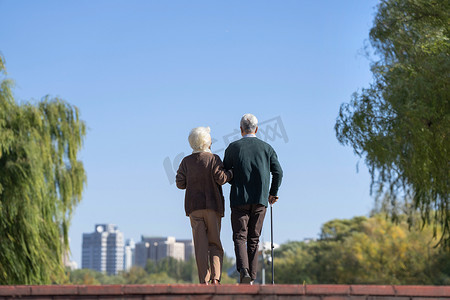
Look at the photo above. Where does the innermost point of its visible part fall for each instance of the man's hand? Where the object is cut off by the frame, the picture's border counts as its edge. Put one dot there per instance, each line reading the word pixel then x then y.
pixel 273 199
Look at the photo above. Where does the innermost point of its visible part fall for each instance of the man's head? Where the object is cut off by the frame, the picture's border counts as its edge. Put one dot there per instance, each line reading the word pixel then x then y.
pixel 200 139
pixel 249 124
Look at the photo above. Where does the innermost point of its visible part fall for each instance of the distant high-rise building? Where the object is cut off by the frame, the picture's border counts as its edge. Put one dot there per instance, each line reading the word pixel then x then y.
pixel 103 249
pixel 167 249
pixel 157 248
pixel 128 258
pixel 188 249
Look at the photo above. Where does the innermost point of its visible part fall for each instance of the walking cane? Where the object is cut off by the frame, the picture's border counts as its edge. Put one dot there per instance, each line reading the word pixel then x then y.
pixel 271 239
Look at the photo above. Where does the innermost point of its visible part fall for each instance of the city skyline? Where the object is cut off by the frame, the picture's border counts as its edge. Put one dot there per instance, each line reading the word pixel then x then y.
pixel 106 251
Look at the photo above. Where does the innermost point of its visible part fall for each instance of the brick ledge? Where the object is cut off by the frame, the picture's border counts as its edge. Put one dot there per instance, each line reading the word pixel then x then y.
pixel 320 291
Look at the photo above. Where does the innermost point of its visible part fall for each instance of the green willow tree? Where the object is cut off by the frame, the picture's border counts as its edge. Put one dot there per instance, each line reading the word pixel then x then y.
pixel 41 181
pixel 400 124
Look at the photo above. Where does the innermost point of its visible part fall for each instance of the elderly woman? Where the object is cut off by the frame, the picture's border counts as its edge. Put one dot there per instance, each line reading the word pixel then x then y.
pixel 202 175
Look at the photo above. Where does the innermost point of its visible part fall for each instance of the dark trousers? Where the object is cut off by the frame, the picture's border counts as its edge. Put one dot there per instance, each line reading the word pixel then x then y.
pixel 247 221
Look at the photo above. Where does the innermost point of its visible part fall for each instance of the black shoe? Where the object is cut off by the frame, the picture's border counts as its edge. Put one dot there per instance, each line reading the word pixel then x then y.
pixel 245 276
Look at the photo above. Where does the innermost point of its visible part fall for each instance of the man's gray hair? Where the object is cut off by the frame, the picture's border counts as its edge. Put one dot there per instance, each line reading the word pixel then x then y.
pixel 249 123
pixel 200 139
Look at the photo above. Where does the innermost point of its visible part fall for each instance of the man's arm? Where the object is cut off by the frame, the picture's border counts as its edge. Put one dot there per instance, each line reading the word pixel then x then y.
pixel 277 175
pixel 228 161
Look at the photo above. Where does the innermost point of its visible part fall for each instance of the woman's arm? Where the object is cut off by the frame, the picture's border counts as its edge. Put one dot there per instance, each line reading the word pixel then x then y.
pixel 180 179
pixel 221 176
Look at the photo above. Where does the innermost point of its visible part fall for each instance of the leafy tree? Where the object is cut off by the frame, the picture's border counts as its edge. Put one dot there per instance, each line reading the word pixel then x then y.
pixel 337 230
pixel 84 276
pixel 177 270
pixel 112 279
pixel 41 181
pixel 136 275
pixel 189 271
pixel 400 124
pixel 375 251
pixel 172 266
pixel 91 277
pixel 442 268
pixel 151 266
pixel 167 270
pixel 161 277
pixel 184 271
pixel 386 252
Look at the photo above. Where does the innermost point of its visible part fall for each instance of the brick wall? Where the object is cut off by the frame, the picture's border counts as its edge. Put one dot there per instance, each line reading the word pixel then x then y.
pixel 227 292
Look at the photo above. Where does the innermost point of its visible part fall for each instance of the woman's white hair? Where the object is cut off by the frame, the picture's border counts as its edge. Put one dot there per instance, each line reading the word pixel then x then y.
pixel 200 139
pixel 249 123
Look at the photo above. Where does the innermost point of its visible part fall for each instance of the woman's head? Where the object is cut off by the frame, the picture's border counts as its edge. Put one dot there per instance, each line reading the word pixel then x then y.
pixel 200 139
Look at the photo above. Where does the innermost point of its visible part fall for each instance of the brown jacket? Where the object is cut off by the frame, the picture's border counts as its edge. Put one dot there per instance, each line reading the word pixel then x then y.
pixel 202 175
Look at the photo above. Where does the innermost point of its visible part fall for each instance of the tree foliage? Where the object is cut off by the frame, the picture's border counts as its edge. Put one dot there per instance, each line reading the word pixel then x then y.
pixel 90 277
pixel 400 124
pixel 364 251
pixel 41 181
pixel 184 271
pixel 166 270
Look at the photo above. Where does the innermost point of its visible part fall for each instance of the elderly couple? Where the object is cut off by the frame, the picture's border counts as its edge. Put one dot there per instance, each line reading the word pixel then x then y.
pixel 247 166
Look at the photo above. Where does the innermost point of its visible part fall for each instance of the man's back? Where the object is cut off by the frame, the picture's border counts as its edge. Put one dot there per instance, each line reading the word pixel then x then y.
pixel 252 161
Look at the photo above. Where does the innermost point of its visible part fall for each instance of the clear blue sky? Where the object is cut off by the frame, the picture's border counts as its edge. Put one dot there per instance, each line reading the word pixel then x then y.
pixel 143 73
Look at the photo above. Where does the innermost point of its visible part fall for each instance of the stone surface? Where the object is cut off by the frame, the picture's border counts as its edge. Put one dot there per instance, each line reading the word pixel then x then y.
pixel 227 291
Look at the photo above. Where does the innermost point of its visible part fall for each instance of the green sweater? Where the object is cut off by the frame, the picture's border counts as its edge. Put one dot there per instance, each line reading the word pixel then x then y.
pixel 252 161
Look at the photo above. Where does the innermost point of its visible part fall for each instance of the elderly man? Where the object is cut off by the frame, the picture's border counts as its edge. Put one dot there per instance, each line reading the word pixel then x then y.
pixel 252 162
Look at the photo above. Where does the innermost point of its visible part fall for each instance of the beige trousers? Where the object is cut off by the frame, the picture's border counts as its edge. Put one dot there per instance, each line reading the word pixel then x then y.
pixel 205 225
